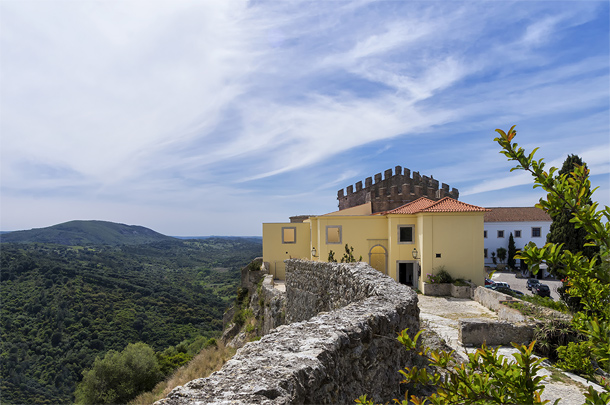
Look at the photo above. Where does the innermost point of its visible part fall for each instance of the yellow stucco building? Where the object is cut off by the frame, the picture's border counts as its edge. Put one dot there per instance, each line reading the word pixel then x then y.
pixel 406 243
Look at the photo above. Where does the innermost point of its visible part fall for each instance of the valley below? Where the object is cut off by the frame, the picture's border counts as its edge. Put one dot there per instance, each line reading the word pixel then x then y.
pixel 64 305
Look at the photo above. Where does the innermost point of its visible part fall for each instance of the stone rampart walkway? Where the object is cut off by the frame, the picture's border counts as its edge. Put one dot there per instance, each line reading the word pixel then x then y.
pixel 441 314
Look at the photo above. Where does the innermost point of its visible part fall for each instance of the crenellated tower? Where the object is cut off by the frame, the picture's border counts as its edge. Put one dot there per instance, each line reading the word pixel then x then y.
pixel 395 189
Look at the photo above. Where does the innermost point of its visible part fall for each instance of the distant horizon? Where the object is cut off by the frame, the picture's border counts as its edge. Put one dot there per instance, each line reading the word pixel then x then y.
pixel 223 115
pixel 171 236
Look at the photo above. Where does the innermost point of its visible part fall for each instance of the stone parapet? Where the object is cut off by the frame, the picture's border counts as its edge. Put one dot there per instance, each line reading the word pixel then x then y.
pixel 274 302
pixel 476 332
pixel 448 289
pixel 333 356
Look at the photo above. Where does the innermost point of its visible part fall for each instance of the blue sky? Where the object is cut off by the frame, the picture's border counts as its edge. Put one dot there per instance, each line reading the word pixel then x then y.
pixel 212 117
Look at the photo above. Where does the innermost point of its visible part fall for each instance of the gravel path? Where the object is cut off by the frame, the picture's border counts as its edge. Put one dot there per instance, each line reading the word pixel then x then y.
pixel 441 314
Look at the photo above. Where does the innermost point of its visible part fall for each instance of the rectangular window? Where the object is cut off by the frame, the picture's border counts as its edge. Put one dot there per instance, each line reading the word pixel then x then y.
pixel 484 234
pixel 333 234
pixel 500 234
pixel 405 233
pixel 517 234
pixel 289 234
pixel 536 232
pixel 485 253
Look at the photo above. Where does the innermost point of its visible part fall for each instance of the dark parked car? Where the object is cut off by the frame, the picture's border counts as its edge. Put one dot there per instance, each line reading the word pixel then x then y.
pixel 509 291
pixel 532 282
pixel 542 290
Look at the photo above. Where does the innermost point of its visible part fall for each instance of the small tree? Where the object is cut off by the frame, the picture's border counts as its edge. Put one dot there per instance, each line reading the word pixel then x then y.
pixel 588 278
pixel 119 377
pixel 494 259
pixel 501 254
pixel 512 250
pixel 348 256
pixel 562 230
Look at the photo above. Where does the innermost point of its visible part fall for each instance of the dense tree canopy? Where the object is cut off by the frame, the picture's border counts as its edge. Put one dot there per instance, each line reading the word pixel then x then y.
pixel 63 306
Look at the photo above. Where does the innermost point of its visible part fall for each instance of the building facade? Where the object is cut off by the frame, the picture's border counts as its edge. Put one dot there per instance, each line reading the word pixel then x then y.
pixel 406 243
pixel 527 224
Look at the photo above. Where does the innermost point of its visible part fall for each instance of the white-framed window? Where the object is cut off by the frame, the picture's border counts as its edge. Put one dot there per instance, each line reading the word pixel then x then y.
pixel 484 234
pixel 485 253
pixel 289 234
pixel 405 233
pixel 536 232
pixel 518 233
pixel 500 234
pixel 333 234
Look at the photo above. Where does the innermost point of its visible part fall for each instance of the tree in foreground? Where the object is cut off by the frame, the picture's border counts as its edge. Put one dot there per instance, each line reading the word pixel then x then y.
pixel 119 377
pixel 587 277
pixel 489 378
pixel 486 378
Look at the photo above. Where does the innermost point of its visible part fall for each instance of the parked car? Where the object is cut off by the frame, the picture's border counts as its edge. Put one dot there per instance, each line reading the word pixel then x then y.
pixel 542 290
pixel 504 289
pixel 497 285
pixel 532 282
pixel 514 292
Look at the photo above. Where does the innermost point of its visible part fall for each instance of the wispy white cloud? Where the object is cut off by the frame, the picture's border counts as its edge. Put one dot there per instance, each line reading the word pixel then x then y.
pixel 210 101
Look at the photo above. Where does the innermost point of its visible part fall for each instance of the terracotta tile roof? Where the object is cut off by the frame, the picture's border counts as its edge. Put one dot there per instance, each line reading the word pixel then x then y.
pixel 516 214
pixel 446 204
pixel 449 204
pixel 411 208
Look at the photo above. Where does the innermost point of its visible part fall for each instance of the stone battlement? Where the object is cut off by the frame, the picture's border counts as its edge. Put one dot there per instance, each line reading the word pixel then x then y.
pixel 340 343
pixel 396 188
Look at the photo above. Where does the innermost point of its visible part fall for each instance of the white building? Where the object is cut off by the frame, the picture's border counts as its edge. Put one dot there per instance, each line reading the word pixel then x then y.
pixel 527 224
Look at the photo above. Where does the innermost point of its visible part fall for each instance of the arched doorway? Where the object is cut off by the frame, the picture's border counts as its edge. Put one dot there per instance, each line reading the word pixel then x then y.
pixel 378 258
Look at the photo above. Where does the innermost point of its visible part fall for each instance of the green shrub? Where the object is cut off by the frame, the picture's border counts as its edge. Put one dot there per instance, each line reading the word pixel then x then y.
pixel 486 378
pixel 546 302
pixel 460 283
pixel 348 256
pixel 576 357
pixel 170 359
pixel 239 318
pixel 331 257
pixel 211 342
pixel 551 335
pixel 442 275
pixel 254 265
pixel 119 377
pixel 242 294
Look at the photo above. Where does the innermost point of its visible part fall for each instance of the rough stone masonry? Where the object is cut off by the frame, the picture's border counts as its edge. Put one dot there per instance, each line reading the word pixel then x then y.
pixel 394 190
pixel 341 343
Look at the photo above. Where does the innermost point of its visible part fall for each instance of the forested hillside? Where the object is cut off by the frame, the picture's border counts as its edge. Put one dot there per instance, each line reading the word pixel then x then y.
pixel 87 233
pixel 64 305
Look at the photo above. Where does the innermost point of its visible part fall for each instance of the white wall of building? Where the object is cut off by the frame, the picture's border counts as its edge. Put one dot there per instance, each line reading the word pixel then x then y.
pixel 492 242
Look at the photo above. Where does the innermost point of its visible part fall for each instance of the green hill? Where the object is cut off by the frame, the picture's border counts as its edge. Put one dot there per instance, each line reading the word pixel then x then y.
pixel 79 233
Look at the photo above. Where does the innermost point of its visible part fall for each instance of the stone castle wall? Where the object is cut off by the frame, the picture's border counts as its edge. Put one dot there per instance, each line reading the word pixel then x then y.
pixel 395 189
pixel 341 343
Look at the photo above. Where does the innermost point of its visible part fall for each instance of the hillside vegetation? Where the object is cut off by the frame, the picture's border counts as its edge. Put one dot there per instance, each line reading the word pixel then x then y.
pixel 79 233
pixel 63 306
